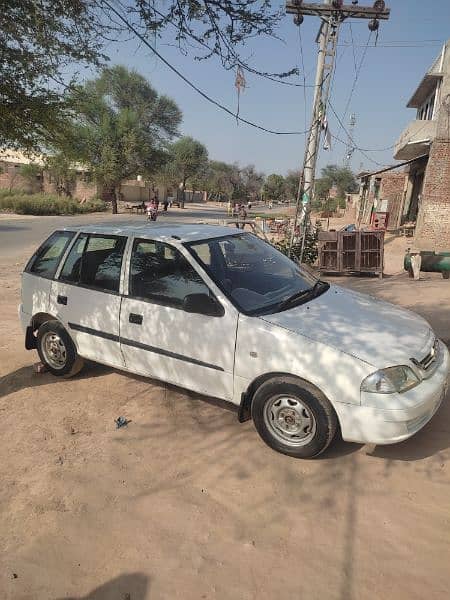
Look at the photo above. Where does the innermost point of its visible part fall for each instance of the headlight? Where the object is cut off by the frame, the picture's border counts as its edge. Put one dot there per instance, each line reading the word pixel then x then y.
pixel 390 380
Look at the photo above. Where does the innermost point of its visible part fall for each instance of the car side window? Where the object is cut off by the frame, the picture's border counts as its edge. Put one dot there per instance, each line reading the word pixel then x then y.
pixel 95 261
pixel 160 273
pixel 45 262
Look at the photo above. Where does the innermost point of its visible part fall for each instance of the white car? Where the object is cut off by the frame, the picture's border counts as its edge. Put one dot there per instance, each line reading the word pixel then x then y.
pixel 223 313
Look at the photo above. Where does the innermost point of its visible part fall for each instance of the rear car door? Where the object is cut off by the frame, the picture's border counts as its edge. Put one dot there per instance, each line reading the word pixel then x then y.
pixel 160 338
pixel 39 272
pixel 86 296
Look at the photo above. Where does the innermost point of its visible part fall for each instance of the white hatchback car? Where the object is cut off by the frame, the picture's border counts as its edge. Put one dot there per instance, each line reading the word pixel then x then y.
pixel 223 313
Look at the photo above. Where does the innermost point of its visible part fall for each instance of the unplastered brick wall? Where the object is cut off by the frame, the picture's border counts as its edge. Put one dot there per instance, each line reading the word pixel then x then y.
pixel 433 223
pixel 392 189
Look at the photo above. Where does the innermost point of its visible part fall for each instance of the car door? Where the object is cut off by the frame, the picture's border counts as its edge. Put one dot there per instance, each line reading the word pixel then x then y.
pixel 160 338
pixel 85 296
pixel 39 272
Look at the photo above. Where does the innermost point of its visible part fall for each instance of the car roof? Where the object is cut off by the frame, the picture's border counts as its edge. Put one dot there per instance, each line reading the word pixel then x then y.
pixel 183 232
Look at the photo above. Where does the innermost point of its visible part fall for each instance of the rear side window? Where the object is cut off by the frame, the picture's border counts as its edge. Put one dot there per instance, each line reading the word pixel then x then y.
pixel 95 261
pixel 160 273
pixel 45 262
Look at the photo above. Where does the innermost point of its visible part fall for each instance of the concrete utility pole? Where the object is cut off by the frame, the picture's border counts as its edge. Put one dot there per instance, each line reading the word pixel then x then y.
pixel 332 13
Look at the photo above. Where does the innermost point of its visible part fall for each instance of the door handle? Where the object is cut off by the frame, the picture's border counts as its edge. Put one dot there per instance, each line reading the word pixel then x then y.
pixel 61 299
pixel 136 319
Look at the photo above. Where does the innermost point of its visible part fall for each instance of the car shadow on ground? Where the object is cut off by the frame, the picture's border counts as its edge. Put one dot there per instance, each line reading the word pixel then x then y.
pixel 25 377
pixel 133 586
pixel 430 441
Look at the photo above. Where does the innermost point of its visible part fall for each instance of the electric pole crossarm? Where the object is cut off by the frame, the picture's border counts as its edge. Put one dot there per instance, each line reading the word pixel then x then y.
pixel 345 12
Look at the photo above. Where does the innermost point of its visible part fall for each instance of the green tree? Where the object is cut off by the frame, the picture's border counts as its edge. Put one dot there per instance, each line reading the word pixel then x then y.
pixel 342 178
pixel 188 158
pixel 32 172
pixel 291 184
pixel 62 174
pixel 121 128
pixel 41 41
pixel 38 41
pixel 274 187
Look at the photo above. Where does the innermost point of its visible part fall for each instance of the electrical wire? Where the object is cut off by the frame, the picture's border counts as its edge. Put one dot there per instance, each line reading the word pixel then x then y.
pixel 353 47
pixel 357 74
pixel 192 85
pixel 269 76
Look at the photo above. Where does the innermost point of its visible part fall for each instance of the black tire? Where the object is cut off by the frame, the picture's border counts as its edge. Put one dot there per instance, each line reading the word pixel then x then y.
pixel 320 417
pixel 71 363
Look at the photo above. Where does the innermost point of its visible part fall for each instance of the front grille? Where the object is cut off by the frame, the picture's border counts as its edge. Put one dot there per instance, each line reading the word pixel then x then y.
pixel 429 362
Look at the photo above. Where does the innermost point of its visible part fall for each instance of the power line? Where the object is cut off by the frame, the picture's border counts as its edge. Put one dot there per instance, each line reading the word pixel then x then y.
pixel 238 62
pixel 355 81
pixel 192 85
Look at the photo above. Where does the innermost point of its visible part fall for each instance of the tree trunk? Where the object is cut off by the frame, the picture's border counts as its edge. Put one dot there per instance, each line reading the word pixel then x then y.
pixel 115 199
pixel 183 193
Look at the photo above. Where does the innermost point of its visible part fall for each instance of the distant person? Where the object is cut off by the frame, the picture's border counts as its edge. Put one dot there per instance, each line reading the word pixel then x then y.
pixel 229 208
pixel 249 205
pixel 166 204
pixel 270 204
pixel 242 215
pixel 152 210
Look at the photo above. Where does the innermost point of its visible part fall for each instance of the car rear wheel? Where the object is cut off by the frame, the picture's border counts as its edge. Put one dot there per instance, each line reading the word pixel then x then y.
pixel 293 417
pixel 56 350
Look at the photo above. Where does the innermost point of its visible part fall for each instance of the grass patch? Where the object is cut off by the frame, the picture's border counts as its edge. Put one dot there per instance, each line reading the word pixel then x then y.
pixel 46 204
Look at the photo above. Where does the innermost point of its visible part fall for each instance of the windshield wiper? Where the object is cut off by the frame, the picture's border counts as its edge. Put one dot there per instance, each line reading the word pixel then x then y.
pixel 304 294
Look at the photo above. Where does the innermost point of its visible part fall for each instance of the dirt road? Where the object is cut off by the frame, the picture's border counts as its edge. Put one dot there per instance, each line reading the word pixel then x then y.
pixel 185 503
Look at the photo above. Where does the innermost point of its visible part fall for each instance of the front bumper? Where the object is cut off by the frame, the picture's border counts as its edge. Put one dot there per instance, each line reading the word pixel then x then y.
pixel 407 414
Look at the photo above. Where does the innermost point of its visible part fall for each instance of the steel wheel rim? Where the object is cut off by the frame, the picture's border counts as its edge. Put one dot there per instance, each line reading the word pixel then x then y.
pixel 289 420
pixel 54 350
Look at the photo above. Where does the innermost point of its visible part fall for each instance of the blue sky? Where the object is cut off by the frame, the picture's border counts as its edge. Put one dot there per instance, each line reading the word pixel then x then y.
pixel 387 80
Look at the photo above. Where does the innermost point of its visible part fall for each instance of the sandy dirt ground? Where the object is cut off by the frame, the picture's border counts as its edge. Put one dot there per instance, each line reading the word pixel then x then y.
pixel 186 503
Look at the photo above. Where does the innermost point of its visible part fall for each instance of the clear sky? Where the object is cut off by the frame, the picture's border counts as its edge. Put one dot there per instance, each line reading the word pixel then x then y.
pixel 388 78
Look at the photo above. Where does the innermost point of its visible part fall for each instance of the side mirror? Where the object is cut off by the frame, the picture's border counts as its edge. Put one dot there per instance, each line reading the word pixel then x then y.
pixel 203 305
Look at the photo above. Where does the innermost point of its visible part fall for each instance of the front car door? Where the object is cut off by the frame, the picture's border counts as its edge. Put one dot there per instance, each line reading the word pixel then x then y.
pixel 159 338
pixel 85 296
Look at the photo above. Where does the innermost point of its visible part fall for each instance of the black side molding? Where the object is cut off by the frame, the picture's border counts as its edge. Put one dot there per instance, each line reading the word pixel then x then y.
pixel 141 346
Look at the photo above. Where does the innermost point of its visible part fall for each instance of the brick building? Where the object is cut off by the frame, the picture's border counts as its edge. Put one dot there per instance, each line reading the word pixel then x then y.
pixel 12 177
pixel 425 144
pixel 383 191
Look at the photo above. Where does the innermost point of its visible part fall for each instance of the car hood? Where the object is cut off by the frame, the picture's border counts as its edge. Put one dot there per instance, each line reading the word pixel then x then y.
pixel 367 328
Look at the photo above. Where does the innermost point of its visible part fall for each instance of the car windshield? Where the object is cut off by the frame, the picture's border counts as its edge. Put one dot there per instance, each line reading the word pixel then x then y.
pixel 254 275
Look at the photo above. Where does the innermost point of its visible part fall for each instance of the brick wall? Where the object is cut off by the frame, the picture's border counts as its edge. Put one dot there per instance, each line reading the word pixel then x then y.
pixel 392 189
pixel 10 179
pixel 433 222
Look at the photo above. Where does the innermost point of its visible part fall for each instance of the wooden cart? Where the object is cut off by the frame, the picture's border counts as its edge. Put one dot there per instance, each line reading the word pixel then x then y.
pixel 351 252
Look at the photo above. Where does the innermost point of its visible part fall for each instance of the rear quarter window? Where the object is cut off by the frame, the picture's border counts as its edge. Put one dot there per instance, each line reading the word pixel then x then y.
pixel 45 260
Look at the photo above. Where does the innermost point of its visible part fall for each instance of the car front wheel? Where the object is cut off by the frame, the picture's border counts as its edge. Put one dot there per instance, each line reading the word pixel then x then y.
pixel 56 350
pixel 293 417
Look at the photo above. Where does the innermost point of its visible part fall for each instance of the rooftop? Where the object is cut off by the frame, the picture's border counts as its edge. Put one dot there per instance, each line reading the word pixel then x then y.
pixel 429 81
pixel 167 232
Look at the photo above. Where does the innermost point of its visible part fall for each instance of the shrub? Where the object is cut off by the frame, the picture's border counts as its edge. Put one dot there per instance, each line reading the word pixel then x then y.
pixel 45 204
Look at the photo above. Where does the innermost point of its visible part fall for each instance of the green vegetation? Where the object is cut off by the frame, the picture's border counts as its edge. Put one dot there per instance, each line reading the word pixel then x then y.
pixel 121 128
pixel 45 204
pixel 43 41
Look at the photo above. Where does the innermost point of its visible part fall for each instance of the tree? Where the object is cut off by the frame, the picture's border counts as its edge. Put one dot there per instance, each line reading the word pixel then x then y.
pixel 332 175
pixel 32 172
pixel 188 158
pixel 62 173
pixel 38 41
pixel 274 187
pixel 291 184
pixel 41 41
pixel 121 127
